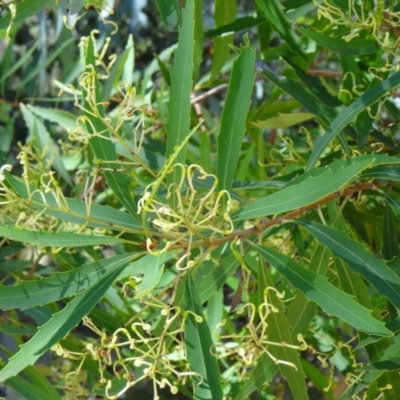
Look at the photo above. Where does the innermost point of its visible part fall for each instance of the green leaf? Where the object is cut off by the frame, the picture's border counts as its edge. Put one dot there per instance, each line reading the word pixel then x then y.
pixel 352 47
pixel 129 61
pixel 170 13
pixel 279 332
pixel 346 116
pixel 317 376
pixel 198 346
pixel 151 276
pixel 302 192
pixel 237 25
pixel 225 13
pixel 360 260
pixel 179 105
pixel 56 239
pixel 273 12
pixel 43 144
pixel 299 93
pixel 28 390
pixel 198 39
pixel 75 6
pixel 263 372
pixel 387 173
pixel 352 283
pixel 310 101
pixel 102 147
pixel 43 65
pixel 317 288
pixel 21 61
pixel 301 310
pixel 36 380
pixel 314 85
pixel 390 245
pixel 211 278
pixel 59 326
pixel 25 10
pixel 63 118
pixel 233 118
pixel 122 70
pixel 283 121
pixel 365 381
pixel 392 364
pixel 75 211
pixel 34 293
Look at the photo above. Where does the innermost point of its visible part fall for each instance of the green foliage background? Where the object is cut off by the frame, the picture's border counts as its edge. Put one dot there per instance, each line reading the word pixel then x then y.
pixel 217 221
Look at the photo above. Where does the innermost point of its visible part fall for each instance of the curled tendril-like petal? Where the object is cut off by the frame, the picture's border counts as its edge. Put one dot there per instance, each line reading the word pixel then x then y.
pixel 180 261
pixel 198 208
pixel 198 318
pixel 5 167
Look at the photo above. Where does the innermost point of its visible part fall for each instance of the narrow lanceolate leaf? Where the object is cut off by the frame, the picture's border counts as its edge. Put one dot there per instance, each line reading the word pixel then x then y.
pixel 263 372
pixel 181 86
pixel 390 245
pixel 198 345
pixel 301 310
pixel 389 173
pixel 170 13
pixel 28 390
pixel 283 121
pixel 151 276
pixel 309 100
pixel 63 118
pixel 34 293
pixel 59 326
pixel 239 24
pixel 317 288
pixel 273 12
pixel 72 210
pixel 346 116
pixel 211 278
pixel 225 13
pixel 25 10
pixel 387 365
pixel 23 60
pixel 234 116
pixel 56 239
pixel 359 259
pixel 323 182
pixel 103 148
pixel 353 47
pixel 42 142
pixel 279 333
pixel 364 381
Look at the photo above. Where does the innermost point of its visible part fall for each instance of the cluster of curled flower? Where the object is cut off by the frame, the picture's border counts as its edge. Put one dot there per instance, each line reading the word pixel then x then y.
pixel 135 354
pixel 191 209
pixel 246 347
pixel 381 22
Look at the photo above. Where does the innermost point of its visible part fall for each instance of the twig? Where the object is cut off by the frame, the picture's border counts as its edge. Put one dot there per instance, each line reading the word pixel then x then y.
pixel 326 74
pixel 209 93
pixel 266 223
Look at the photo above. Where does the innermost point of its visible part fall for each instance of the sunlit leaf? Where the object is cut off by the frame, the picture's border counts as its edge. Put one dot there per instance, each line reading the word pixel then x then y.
pixel 341 46
pixel 283 121
pixel 32 293
pixel 328 297
pixel 59 326
pixel 181 86
pixel 303 192
pixel 198 345
pixel 346 116
pixel 234 115
pixel 358 258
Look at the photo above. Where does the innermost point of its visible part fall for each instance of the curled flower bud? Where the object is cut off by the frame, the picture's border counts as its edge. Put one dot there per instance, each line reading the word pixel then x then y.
pixel 5 167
